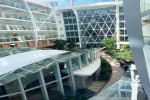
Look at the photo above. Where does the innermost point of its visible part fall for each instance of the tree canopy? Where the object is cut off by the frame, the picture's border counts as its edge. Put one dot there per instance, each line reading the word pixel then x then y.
pixel 109 43
pixel 59 44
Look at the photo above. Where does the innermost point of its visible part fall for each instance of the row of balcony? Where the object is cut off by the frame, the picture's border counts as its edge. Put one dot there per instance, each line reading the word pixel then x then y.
pixel 23 27
pixel 26 38
pixel 26 17
pixel 22 6
pixel 19 4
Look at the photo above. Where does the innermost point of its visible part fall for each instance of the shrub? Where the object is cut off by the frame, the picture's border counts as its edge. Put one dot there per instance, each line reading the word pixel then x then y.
pixel 126 47
pixel 71 45
pixel 106 70
pixel 74 49
pixel 84 94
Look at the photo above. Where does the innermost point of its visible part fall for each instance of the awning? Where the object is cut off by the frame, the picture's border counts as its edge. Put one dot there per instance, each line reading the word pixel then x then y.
pixel 88 70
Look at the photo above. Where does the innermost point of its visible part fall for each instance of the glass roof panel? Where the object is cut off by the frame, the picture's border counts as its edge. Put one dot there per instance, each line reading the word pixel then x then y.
pixel 68 3
pixel 32 68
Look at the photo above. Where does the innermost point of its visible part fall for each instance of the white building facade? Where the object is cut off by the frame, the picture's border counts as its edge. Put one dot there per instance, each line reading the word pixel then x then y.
pixel 36 25
pixel 26 24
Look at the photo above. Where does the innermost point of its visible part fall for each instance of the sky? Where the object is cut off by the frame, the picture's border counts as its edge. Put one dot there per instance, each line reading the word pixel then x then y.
pixel 82 2
pixel 66 3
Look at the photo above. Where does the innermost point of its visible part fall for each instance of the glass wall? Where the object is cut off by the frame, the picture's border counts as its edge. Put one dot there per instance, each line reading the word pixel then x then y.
pixel 35 94
pixel 123 31
pixel 54 92
pixel 49 82
pixel 97 24
pixel 71 26
pixel 75 63
pixel 64 69
pixel 67 85
pixel 83 60
pixel 78 82
pixel 30 81
pixel 50 74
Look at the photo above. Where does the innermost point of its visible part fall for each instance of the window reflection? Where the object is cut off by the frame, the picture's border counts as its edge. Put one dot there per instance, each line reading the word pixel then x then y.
pixel 68 88
pixel 49 74
pixel 35 94
pixel 64 68
pixel 9 88
pixel 78 82
pixel 30 81
pixel 75 63
pixel 54 91
pixel 83 60
pixel 13 97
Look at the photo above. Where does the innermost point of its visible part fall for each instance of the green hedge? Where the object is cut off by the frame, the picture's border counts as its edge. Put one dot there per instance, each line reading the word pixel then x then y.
pixel 106 70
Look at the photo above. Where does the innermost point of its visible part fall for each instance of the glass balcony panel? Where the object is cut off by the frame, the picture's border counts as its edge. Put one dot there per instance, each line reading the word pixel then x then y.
pixel 3 27
pixel 145 5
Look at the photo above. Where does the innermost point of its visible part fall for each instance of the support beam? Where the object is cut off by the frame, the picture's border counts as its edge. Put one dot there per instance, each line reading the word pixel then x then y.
pixel 77 18
pixel 134 29
pixel 92 56
pixel 33 23
pixel 117 27
pixel 87 59
pixel 60 80
pixel 24 97
pixel 80 63
pixel 72 76
pixel 44 89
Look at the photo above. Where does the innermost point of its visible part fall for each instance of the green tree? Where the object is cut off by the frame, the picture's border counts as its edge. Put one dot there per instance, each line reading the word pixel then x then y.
pixel 71 45
pixel 59 44
pixel 109 43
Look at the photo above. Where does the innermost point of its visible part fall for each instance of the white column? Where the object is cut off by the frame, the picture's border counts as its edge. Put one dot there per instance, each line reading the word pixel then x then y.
pixel 87 59
pixel 42 82
pixel 92 56
pixel 33 23
pixel 72 76
pixel 60 80
pixel 117 27
pixel 77 18
pixel 58 27
pixel 80 65
pixel 134 93
pixel 80 62
pixel 24 97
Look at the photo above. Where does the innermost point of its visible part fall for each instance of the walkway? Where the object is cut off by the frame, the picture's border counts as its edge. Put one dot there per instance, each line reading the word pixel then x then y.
pixel 117 71
pixel 96 86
